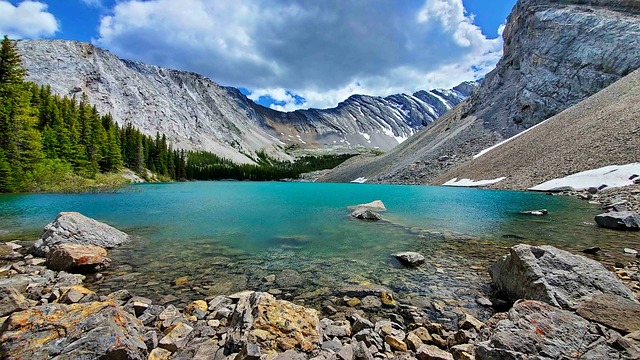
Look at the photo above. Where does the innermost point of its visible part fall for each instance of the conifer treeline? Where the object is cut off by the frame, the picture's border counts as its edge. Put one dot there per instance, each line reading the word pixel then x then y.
pixel 43 135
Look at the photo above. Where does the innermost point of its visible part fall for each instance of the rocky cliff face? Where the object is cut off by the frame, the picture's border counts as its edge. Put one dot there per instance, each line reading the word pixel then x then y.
pixel 196 113
pixel 556 54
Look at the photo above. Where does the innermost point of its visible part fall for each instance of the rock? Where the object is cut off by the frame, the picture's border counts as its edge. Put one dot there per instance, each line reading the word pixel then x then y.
pixel 360 323
pixel 371 302
pixel 290 355
pixel 554 276
pixel 365 214
pixel 612 311
pixel 468 322
pixel 422 334
pixel 289 279
pixel 430 352
pixel 333 345
pixel 370 337
pixel 269 278
pixel 353 302
pixel 591 251
pixel 484 302
pixel 122 295
pixel 77 258
pixel 11 301
pixel 376 206
pixel 159 354
pixel 7 252
pixel 620 220
pixel 630 251
pixel 387 300
pixel 75 228
pixel 198 308
pixel 276 324
pixel 413 341
pixel 76 294
pixel 78 331
pixel 249 352
pixel 396 343
pixel 338 329
pixel 540 212
pixel 409 258
pixel 362 352
pixel 183 280
pixel 176 338
pixel 535 330
pixel 463 352
pixel 346 353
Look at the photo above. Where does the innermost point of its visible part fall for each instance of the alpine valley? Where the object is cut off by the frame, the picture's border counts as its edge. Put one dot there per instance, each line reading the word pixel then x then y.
pixel 195 113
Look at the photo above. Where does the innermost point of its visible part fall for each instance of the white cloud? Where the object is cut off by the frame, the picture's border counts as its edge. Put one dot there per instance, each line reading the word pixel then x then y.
pixel 28 19
pixel 323 51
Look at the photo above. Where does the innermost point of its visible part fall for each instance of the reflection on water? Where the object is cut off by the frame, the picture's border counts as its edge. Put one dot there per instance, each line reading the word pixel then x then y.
pixel 230 236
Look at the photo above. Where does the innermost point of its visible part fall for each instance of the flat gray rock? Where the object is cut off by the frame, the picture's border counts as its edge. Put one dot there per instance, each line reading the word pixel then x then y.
pixel 410 258
pixel 535 330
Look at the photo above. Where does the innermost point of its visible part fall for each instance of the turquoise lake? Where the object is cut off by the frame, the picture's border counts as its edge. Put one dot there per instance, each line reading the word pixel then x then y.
pixel 229 236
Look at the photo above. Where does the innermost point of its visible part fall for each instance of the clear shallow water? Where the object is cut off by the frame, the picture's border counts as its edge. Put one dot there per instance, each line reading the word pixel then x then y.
pixel 227 236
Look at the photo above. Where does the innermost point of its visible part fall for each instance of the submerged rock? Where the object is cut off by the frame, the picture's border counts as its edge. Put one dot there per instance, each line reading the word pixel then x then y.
pixel 75 228
pixel 540 212
pixel 77 258
pixel 533 329
pixel 554 276
pixel 619 220
pixel 409 258
pixel 79 331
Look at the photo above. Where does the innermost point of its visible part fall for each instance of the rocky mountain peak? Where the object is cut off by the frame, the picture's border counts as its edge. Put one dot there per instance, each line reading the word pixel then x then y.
pixel 556 54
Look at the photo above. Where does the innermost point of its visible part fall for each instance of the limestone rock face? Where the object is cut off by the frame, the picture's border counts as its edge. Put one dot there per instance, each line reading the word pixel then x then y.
pixel 77 258
pixel 79 331
pixel 554 276
pixel 196 113
pixel 75 228
pixel 276 324
pixel 619 220
pixel 556 54
pixel 537 330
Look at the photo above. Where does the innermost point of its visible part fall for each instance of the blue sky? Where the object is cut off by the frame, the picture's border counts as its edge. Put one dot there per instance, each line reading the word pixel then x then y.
pixel 286 54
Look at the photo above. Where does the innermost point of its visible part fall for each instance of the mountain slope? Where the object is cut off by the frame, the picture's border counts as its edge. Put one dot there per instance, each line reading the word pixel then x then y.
pixel 556 54
pixel 196 113
pixel 601 130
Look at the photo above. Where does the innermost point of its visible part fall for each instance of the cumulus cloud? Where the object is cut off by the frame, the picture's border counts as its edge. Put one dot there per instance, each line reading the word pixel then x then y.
pixel 28 19
pixel 323 51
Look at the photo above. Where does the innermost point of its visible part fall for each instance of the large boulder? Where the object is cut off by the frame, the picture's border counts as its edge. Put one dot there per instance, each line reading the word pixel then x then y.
pixel 365 214
pixel 619 220
pixel 554 276
pixel 77 258
pixel 535 330
pixel 279 325
pixel 75 228
pixel 376 205
pixel 98 330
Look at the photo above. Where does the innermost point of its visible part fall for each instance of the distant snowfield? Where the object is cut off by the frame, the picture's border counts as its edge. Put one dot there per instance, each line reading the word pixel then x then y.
pixel 612 176
pixel 360 180
pixel 472 183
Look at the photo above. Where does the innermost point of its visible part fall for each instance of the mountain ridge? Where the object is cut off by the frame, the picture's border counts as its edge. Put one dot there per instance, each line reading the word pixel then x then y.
pixel 197 113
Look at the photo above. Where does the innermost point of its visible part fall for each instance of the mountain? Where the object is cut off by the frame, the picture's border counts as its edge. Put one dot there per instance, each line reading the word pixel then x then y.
pixel 599 131
pixel 196 113
pixel 556 53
